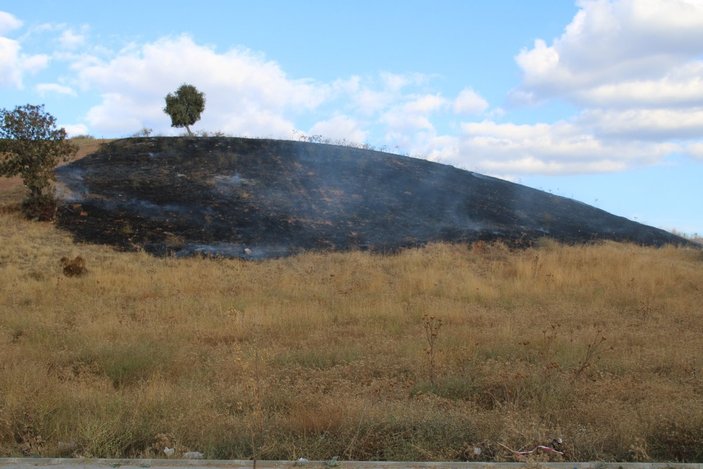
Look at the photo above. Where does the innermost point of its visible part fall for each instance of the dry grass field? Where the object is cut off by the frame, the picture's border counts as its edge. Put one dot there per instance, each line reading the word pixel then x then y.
pixel 428 354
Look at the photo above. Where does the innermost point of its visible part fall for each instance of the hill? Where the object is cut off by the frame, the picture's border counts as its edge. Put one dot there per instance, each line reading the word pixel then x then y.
pixel 258 198
pixel 333 354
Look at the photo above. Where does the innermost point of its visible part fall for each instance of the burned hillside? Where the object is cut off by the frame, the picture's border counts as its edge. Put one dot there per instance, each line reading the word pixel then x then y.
pixel 258 198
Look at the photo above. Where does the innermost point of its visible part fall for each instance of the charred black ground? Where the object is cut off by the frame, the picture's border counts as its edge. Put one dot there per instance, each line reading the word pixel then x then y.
pixel 256 198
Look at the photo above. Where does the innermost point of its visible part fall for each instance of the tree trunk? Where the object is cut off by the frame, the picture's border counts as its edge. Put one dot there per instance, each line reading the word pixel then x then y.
pixel 190 134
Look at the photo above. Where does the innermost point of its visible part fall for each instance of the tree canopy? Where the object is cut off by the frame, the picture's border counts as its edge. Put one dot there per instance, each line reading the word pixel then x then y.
pixel 30 147
pixel 185 106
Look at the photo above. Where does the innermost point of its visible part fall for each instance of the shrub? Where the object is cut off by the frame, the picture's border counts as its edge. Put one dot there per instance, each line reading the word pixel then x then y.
pixel 144 132
pixel 30 147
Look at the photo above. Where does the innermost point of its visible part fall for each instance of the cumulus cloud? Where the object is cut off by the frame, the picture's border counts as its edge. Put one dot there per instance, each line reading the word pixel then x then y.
pixel 633 69
pixel 630 67
pixel 8 22
pixel 561 147
pixel 10 72
pixel 617 42
pixel 48 88
pixel 469 102
pixel 246 94
pixel 399 122
pixel 74 130
pixel 695 150
pixel 646 93
pixel 410 119
pixel 644 124
pixel 120 113
pixel 69 39
pixel 376 94
pixel 340 127
pixel 13 63
pixel 425 104
pixel 408 122
pixel 396 82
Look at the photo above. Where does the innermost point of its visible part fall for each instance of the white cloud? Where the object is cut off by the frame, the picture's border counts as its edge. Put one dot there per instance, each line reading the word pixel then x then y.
pixel 10 71
pixel 695 150
pixel 245 93
pixel 395 82
pixel 399 121
pixel 120 114
pixel 8 22
pixel 74 130
pixel 407 121
pixel 14 64
pixel 469 102
pixel 666 92
pixel 562 147
pixel 641 97
pixel 373 95
pixel 33 63
pixel 370 101
pixel 645 124
pixel 425 104
pixel 428 145
pixel 634 68
pixel 71 40
pixel 340 127
pixel 47 88
pixel 614 42
pixel 538 64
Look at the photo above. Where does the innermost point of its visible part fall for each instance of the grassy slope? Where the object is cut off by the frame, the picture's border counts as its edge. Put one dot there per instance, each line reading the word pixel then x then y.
pixel 325 354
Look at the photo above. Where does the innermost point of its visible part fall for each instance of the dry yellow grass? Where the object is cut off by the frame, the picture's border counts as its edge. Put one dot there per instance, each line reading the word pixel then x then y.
pixel 325 354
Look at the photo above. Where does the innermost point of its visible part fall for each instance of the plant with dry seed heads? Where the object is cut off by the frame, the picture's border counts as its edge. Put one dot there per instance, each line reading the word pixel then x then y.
pixel 431 325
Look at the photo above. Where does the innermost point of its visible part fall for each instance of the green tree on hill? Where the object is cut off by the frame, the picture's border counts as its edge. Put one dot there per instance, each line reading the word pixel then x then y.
pixel 185 106
pixel 30 147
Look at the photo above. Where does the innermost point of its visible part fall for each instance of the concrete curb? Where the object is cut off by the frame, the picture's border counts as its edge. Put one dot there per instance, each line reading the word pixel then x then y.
pixel 65 463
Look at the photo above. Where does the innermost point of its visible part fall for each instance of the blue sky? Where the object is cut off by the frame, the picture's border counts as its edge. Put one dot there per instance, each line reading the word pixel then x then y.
pixel 601 100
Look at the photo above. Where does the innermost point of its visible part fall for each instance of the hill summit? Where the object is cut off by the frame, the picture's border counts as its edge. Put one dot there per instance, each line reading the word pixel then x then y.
pixel 259 198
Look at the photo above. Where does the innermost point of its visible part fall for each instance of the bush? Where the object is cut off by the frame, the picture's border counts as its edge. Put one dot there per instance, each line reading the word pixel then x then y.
pixel 144 132
pixel 30 147
pixel 40 207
